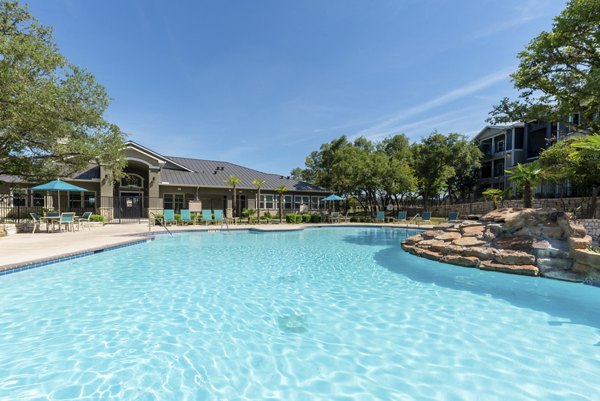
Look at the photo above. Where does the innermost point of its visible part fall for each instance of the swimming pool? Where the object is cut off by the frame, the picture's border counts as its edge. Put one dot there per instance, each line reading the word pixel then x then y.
pixel 320 314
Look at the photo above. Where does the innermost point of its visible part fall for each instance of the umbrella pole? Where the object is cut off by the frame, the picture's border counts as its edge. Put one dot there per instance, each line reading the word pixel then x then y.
pixel 58 201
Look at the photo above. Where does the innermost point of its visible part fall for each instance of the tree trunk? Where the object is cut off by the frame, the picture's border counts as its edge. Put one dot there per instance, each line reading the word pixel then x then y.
pixel 234 204
pixel 593 208
pixel 527 201
pixel 258 207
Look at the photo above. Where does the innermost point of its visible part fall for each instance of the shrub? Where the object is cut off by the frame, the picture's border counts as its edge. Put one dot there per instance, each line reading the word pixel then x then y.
pixel 315 218
pixel 290 218
pixel 305 218
pixel 97 218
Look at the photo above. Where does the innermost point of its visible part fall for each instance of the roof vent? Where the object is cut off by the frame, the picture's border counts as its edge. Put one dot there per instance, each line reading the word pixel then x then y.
pixel 288 177
pixel 215 172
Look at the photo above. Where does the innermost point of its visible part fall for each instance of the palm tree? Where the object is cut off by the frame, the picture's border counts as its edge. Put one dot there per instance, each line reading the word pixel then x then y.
pixel 527 176
pixel 493 194
pixel 233 181
pixel 258 184
pixel 281 191
pixel 588 142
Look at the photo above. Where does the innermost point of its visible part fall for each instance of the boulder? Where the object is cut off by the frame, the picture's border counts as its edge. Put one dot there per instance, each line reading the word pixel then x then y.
pixel 580 243
pixel 482 253
pixel 430 255
pixel 470 223
pixel 508 257
pixel 528 270
pixel 587 257
pixel 518 243
pixel 472 231
pixel 577 230
pixel 446 226
pixel 449 236
pixel 468 241
pixel 465 261
pixel 428 243
pixel 429 234
pixel 450 249
pixel 488 235
pixel 414 239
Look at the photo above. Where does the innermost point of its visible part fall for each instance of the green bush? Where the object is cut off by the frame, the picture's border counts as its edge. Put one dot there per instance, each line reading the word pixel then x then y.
pixel 315 218
pixel 97 218
pixel 305 218
pixel 290 218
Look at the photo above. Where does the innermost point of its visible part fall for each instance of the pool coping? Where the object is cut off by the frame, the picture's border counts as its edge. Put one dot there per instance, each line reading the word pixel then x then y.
pixel 34 263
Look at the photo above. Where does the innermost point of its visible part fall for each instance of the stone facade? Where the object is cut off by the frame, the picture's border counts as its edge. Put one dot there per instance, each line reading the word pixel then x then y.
pixel 592 227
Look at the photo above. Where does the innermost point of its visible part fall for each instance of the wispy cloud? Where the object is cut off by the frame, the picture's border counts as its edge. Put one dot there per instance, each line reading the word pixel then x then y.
pixel 394 123
pixel 526 11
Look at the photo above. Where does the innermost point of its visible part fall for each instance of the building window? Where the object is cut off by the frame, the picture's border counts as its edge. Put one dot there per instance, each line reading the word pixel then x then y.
pixel 37 199
pixel 168 201
pixel 287 202
pixel 301 200
pixel 75 200
pixel 132 180
pixel 314 203
pixel 575 119
pixel 500 146
pixel 19 197
pixel 266 202
pixel 499 168
pixel 89 200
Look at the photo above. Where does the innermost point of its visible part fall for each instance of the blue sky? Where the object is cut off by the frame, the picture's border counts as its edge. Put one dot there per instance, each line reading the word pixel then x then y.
pixel 263 83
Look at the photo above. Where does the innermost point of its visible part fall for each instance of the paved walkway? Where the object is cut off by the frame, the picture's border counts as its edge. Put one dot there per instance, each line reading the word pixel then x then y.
pixel 26 248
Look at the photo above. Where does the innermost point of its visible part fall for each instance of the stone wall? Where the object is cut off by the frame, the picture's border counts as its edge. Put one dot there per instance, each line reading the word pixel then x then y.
pixel 578 206
pixel 592 227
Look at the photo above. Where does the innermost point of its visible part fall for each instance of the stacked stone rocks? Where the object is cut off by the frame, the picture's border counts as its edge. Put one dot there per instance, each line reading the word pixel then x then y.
pixel 512 240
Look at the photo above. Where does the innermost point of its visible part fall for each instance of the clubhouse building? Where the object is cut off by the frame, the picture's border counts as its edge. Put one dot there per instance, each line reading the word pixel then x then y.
pixel 153 182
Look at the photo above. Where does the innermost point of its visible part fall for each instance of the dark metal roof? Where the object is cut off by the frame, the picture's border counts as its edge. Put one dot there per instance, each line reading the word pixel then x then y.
pixel 211 173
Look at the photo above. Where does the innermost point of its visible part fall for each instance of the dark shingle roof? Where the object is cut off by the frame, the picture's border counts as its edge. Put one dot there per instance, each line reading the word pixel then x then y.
pixel 211 173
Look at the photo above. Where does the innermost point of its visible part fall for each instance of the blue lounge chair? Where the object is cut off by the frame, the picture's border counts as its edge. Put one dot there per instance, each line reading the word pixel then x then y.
pixel 380 217
pixel 169 217
pixel 401 216
pixel 207 216
pixel 68 220
pixel 84 220
pixel 425 217
pixel 37 222
pixel 186 216
pixel 452 216
pixel 219 216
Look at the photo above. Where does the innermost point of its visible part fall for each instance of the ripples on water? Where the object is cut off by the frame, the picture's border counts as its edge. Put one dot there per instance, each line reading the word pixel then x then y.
pixel 323 314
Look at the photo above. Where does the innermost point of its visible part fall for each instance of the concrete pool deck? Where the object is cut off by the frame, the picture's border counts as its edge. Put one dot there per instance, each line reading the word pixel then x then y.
pixel 26 249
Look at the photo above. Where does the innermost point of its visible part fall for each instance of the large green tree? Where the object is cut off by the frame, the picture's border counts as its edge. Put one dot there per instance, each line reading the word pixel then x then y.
pixel 577 160
pixel 559 71
pixel 445 166
pixel 51 111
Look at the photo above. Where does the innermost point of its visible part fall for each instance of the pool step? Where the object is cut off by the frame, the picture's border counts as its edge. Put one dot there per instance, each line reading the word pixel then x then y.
pixel 546 264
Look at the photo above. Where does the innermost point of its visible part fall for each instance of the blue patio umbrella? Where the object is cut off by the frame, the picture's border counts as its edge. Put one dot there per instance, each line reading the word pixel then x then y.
pixel 58 185
pixel 333 197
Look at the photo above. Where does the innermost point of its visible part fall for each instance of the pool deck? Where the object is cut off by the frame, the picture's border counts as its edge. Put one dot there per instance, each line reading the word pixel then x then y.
pixel 24 250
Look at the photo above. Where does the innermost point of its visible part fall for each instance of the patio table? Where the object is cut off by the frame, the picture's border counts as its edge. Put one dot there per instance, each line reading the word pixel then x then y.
pixel 48 220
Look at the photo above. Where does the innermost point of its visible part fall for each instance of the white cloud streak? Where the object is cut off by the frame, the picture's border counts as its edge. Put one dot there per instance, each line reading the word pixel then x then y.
pixel 397 121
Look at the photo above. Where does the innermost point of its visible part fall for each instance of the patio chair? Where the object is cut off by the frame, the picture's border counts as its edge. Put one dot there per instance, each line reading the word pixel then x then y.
pixel 380 217
pixel 169 217
pixel 67 219
pixel 425 217
pixel 186 217
pixel 37 222
pixel 219 218
pixel 345 218
pixel 207 216
pixel 84 220
pixel 334 217
pixel 452 216
pixel 401 216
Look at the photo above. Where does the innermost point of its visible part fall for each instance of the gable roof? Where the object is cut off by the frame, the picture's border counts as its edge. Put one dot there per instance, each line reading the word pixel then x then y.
pixel 213 174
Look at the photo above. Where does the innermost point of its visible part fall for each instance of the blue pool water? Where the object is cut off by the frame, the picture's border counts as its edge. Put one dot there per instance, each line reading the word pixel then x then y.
pixel 322 314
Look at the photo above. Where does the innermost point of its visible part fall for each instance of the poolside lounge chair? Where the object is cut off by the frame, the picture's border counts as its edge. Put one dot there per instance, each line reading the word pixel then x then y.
pixel 84 220
pixel 169 217
pixel 344 218
pixel 219 218
pixel 334 217
pixel 37 222
pixel 186 216
pixel 380 217
pixel 452 216
pixel 207 216
pixel 67 219
pixel 426 217
pixel 401 216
